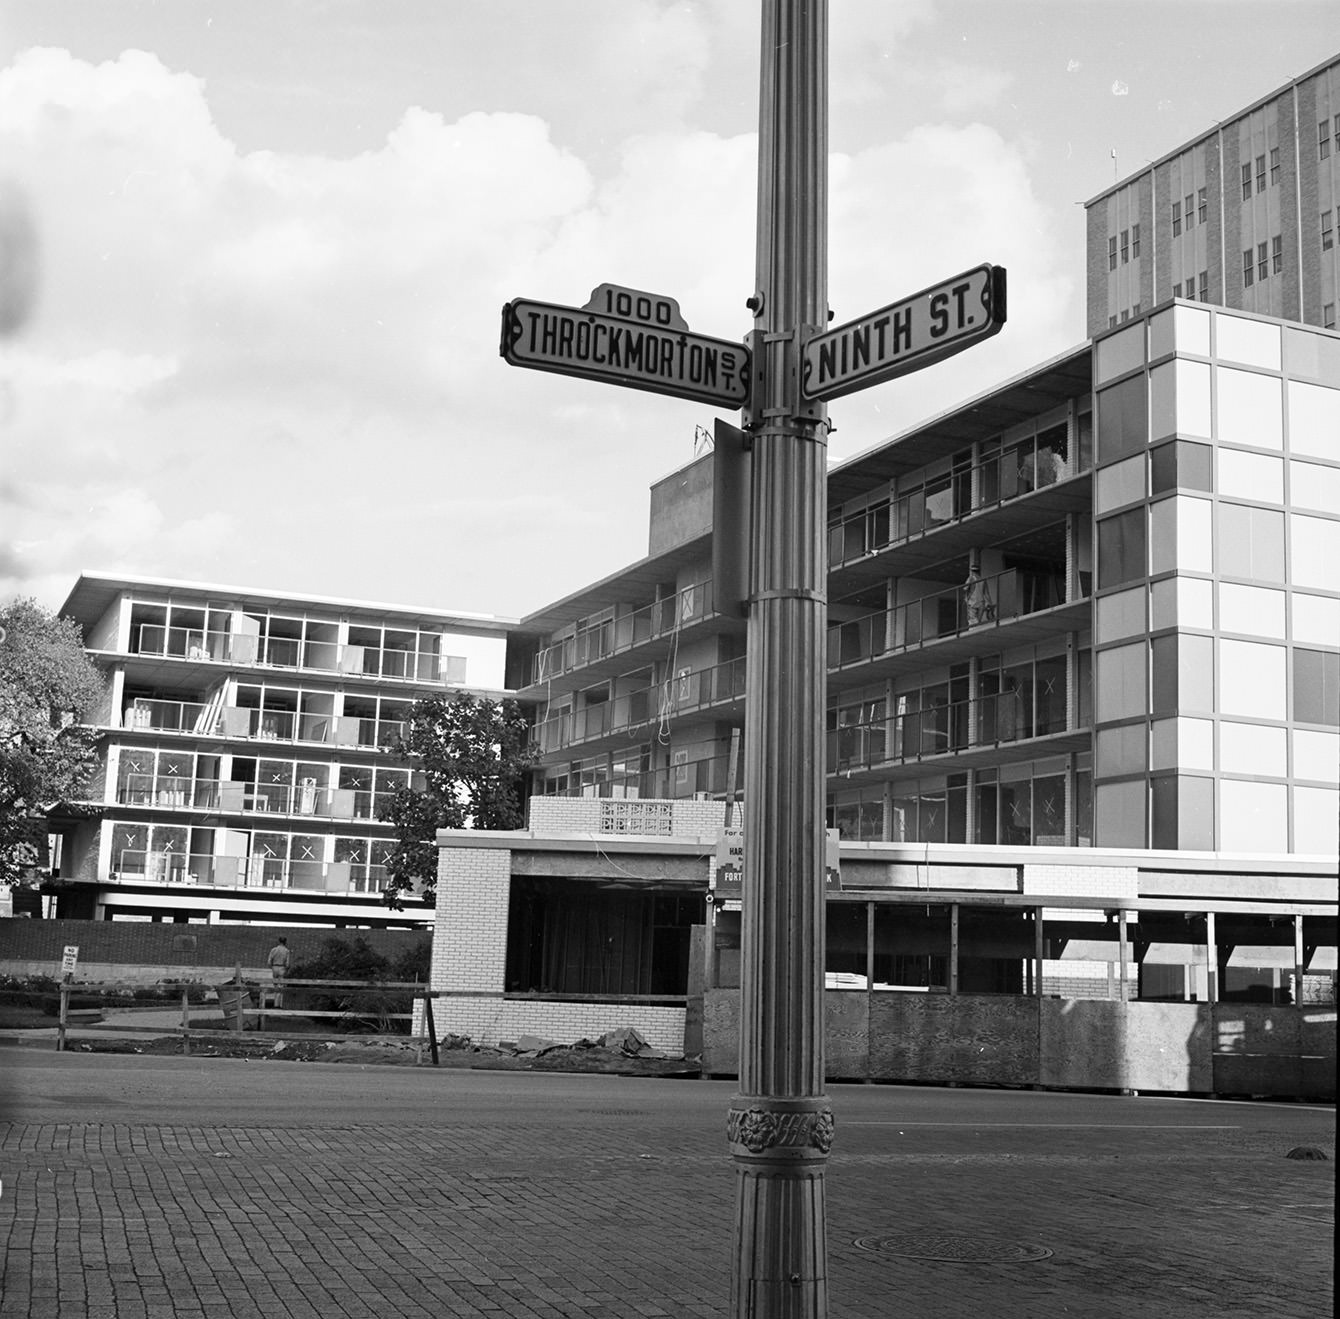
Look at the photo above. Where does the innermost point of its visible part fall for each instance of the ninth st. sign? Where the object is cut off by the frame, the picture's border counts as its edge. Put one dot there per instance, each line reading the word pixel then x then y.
pixel 933 324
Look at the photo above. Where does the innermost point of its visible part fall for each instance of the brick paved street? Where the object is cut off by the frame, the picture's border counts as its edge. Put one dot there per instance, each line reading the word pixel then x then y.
pixel 152 1188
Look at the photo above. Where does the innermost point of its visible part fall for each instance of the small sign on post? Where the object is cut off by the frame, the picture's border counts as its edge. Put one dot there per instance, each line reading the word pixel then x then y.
pixel 69 960
pixel 625 337
pixel 905 336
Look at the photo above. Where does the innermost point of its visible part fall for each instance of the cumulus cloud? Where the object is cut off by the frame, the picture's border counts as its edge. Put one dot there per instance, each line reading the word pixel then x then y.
pixel 283 368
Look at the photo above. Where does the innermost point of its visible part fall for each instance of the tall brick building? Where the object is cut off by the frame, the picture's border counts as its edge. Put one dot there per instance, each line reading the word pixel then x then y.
pixel 1244 216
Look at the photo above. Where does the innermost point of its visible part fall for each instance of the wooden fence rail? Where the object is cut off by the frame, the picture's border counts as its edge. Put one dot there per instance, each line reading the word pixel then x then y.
pixel 269 999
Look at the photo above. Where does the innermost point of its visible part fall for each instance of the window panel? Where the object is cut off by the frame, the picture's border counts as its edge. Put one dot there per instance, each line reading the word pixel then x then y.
pixel 1316 755
pixel 1253 749
pixel 1252 679
pixel 1121 548
pixel 1316 821
pixel 1255 476
pixel 1253 343
pixel 1119 810
pixel 1315 618
pixel 1120 683
pixel 1313 410
pixel 1120 483
pixel 1181 463
pixel 1316 687
pixel 1250 409
pixel 1253 817
pixel 1315 544
pixel 1251 609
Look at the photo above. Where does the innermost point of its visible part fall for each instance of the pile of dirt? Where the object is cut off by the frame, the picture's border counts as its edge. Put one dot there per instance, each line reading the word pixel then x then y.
pixel 559 1058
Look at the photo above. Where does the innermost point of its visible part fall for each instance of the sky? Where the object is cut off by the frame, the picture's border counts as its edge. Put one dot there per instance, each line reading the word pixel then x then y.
pixel 253 254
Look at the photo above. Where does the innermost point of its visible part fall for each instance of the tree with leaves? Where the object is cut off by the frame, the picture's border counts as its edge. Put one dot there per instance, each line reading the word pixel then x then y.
pixel 469 756
pixel 47 686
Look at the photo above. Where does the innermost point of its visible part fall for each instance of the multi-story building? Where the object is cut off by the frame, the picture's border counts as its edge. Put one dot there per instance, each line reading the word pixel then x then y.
pixel 1083 694
pixel 1244 216
pixel 1099 604
pixel 248 738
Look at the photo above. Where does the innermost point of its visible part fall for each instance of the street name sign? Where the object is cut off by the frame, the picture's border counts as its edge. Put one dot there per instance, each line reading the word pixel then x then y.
pixel 906 336
pixel 626 337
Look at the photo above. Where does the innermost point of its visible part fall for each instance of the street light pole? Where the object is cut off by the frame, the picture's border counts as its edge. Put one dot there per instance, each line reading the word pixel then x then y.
pixel 780 1125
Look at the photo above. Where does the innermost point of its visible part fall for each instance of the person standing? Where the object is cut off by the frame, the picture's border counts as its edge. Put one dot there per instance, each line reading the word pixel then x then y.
pixel 278 960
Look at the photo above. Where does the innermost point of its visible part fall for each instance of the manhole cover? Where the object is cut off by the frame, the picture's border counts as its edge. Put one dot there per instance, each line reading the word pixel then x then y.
pixel 955 1249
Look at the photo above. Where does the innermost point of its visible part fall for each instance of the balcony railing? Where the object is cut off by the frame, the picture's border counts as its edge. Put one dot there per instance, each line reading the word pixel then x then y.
pixel 263 725
pixel 936 730
pixel 427 666
pixel 228 797
pixel 682 694
pixel 674 782
pixel 1009 474
pixel 992 601
pixel 248 872
pixel 616 635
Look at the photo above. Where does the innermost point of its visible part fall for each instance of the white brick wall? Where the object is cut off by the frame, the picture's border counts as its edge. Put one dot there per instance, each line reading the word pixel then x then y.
pixel 1082 881
pixel 470 930
pixel 565 815
pixel 469 962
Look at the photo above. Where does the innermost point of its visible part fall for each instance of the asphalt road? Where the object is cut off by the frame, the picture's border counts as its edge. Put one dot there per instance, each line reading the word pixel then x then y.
pixel 156 1187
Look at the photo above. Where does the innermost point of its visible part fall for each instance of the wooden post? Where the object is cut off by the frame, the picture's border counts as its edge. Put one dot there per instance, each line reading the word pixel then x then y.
pixel 1211 959
pixel 185 1021
pixel 1123 952
pixel 1298 964
pixel 953 949
pixel 64 1013
pixel 432 1028
pixel 1038 948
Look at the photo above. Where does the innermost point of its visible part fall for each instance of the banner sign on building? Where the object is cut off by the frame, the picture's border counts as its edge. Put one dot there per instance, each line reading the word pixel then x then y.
pixel 625 337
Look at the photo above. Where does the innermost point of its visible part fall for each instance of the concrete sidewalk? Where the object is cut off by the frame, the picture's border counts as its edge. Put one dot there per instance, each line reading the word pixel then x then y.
pixel 152 1188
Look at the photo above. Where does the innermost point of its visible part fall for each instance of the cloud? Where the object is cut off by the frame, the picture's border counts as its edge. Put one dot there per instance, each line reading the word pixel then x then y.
pixel 283 368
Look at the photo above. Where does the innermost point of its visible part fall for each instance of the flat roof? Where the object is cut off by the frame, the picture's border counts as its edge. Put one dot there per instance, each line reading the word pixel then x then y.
pixel 94 593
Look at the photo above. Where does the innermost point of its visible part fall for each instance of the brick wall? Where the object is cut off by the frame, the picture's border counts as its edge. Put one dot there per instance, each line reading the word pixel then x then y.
pixel 1086 979
pixel 582 815
pixel 1082 881
pixel 1309 203
pixel 1096 234
pixel 144 950
pixel 491 1020
pixel 469 961
pixel 474 887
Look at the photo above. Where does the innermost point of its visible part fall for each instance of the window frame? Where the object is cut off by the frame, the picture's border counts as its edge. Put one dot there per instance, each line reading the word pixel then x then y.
pixel 1274 166
pixel 1247 182
pixel 1176 219
pixel 1248 269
